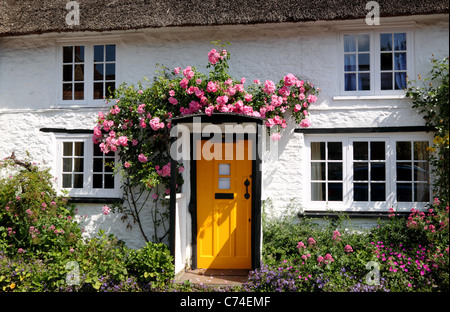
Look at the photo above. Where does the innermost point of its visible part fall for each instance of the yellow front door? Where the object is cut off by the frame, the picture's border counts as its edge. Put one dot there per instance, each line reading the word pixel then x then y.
pixel 224 207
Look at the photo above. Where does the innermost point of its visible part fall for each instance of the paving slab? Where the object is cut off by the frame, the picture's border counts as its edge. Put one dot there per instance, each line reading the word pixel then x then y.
pixel 212 277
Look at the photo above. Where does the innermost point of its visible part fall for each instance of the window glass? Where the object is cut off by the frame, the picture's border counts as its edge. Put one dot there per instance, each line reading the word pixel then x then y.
pixel 73 165
pixel 73 73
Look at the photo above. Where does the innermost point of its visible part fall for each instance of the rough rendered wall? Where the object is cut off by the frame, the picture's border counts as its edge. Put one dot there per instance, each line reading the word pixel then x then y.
pixel 29 87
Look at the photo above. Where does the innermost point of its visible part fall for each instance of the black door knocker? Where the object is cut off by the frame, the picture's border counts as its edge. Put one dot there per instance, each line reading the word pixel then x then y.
pixel 246 183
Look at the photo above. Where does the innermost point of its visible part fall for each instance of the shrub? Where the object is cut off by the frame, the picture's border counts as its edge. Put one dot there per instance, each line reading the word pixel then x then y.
pixel 33 217
pixel 151 264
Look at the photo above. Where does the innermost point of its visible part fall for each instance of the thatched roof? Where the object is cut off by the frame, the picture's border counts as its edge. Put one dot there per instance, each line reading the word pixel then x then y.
pixel 22 17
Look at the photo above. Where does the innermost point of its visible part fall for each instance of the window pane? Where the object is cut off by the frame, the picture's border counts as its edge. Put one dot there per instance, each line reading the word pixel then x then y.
pixel 349 43
pixel 110 72
pixel 67 149
pixel 224 169
pixel 98 71
pixel 98 53
pixel 377 151
pixel 79 72
pixel 67 91
pixel 377 171
pixel 403 150
pixel 318 191
pixel 67 73
pixel 224 184
pixel 400 41
pixel 334 150
pixel 109 181
pixel 110 87
pixel 378 192
pixel 98 181
pixel 67 164
pixel 400 61
pixel 420 150
pixel 79 91
pixel 386 42
pixel 386 81
pixel 404 192
pixel 335 191
pixel 318 171
pixel 364 81
pixel 78 165
pixel 98 90
pixel 67 181
pixel 110 53
pixel 386 61
pixel 360 150
pixel 98 165
pixel 97 151
pixel 421 171
pixel 350 62
pixel 78 181
pixel 350 82
pixel 318 150
pixel 404 171
pixel 360 191
pixel 400 81
pixel 363 43
pixel 361 171
pixel 109 165
pixel 67 54
pixel 79 54
pixel 364 61
pixel 421 192
pixel 79 149
pixel 335 171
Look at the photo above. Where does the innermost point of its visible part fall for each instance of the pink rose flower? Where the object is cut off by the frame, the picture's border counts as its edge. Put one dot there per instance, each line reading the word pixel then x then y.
pixel 142 158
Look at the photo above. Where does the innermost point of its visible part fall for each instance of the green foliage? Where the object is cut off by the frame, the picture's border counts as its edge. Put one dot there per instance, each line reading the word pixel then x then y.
pixel 33 217
pixel 151 264
pixel 431 98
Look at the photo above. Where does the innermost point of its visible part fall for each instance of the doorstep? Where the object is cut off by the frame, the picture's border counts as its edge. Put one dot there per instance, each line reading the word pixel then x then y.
pixel 213 277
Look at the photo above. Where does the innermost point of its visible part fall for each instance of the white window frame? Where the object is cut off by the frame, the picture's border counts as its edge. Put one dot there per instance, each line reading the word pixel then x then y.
pixel 87 190
pixel 88 70
pixel 375 81
pixel 347 204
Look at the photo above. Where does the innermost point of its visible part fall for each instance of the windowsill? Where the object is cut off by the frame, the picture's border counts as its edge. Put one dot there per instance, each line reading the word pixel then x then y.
pixel 101 104
pixel 368 97
pixel 94 200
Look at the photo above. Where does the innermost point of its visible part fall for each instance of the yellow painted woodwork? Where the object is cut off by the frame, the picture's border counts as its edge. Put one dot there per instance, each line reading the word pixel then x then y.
pixel 223 225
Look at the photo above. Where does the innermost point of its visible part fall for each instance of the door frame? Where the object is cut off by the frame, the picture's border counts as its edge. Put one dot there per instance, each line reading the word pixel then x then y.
pixel 256 141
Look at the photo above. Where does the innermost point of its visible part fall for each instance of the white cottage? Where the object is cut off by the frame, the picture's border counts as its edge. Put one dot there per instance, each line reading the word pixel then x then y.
pixel 364 152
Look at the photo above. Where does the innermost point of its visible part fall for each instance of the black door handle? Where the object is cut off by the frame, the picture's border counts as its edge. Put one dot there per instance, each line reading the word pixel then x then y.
pixel 246 183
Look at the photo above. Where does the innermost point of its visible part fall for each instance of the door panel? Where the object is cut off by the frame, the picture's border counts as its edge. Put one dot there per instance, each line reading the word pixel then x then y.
pixel 223 212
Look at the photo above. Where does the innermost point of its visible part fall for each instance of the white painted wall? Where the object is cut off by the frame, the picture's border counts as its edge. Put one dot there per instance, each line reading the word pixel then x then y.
pixel 29 88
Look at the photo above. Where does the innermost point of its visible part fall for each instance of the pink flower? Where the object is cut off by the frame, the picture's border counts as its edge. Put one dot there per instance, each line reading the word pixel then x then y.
pixel 221 100
pixel 177 70
pixel 172 93
pixel 188 73
pixel 213 56
pixel 275 136
pixel 311 241
pixel 305 123
pixel 181 169
pixel 184 83
pixel 297 108
pixel 155 196
pixel 141 108
pixel 123 140
pixel 127 164
pixel 105 210
pixel 312 98
pixel 248 97
pixel 301 245
pixel 211 87
pixel 336 235
pixel 269 87
pixel 156 124
pixel 348 248
pixel 319 259
pixel 209 110
pixel 173 101
pixel 290 80
pixel 142 158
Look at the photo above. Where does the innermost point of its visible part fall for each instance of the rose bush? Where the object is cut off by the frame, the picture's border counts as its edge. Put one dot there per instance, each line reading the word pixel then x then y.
pixel 138 124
